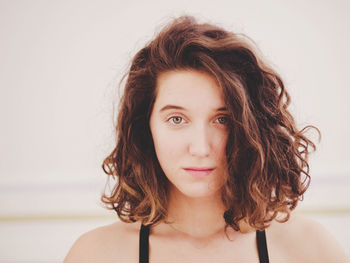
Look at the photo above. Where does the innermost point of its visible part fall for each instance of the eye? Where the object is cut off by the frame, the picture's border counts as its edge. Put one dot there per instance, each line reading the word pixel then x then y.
pixel 223 119
pixel 176 119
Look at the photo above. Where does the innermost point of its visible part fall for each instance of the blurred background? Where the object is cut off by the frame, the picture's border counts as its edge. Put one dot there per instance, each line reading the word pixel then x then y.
pixel 60 64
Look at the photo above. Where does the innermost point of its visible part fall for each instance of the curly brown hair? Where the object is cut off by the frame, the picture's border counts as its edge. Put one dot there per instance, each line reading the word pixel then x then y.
pixel 267 155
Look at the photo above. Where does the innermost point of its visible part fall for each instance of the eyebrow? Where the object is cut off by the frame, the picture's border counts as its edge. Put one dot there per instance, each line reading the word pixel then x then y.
pixel 170 107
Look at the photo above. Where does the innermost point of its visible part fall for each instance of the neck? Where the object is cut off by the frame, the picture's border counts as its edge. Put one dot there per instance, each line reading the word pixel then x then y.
pixel 199 217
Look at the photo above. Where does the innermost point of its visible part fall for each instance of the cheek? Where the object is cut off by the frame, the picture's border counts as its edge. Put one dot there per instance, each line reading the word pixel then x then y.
pixel 169 148
pixel 219 146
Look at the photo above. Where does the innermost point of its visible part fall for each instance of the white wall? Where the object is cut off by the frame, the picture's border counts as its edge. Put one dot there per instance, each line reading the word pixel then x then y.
pixel 60 62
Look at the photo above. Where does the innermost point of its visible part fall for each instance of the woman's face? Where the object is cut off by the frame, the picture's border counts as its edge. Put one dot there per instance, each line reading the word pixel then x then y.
pixel 189 129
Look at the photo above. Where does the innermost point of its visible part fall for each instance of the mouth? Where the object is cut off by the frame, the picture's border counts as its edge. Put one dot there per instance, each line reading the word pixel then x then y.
pixel 199 172
pixel 199 168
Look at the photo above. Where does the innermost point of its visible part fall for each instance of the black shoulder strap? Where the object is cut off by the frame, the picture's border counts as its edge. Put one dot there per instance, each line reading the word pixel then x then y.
pixel 143 245
pixel 262 246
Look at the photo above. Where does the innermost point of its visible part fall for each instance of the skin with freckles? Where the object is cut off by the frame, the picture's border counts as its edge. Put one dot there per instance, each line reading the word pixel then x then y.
pixel 194 136
pixel 189 129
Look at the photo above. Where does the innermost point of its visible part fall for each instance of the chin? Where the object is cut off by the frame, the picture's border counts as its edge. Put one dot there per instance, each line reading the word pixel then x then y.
pixel 198 191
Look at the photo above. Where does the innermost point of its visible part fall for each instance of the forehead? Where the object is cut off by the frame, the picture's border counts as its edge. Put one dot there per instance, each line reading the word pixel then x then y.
pixel 189 87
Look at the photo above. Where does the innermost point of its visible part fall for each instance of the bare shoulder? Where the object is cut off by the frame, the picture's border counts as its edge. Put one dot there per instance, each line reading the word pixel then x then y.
pixel 117 242
pixel 303 240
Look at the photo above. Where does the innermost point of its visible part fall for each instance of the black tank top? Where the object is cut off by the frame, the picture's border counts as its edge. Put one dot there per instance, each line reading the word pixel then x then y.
pixel 144 245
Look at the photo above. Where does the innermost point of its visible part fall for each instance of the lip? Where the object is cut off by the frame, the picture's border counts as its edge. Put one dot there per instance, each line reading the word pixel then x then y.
pixel 199 168
pixel 199 172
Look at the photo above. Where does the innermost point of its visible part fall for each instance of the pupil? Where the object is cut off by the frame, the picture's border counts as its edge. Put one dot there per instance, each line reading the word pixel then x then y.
pixel 177 119
pixel 223 119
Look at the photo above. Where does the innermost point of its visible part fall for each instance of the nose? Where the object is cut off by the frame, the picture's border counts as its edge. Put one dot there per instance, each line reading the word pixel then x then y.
pixel 200 144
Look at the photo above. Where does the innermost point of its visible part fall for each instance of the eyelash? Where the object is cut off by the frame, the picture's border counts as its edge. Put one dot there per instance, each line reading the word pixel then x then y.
pixel 177 124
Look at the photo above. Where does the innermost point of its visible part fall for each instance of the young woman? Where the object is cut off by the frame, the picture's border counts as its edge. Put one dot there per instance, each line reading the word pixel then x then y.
pixel 208 161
